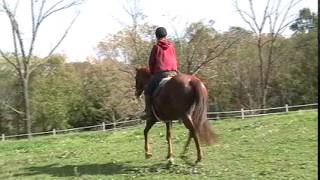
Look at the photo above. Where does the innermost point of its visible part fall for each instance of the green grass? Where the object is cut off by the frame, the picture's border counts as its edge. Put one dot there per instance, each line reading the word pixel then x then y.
pixel 270 147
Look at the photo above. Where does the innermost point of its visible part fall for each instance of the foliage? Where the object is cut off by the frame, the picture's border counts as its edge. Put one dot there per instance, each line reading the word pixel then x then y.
pixel 133 44
pixel 305 22
pixel 100 90
pixel 125 47
pixel 107 93
pixel 270 147
pixel 55 88
pixel 297 80
pixel 233 79
pixel 10 101
pixel 21 55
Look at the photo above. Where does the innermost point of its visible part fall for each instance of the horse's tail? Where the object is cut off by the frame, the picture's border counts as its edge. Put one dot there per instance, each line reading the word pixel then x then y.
pixel 199 115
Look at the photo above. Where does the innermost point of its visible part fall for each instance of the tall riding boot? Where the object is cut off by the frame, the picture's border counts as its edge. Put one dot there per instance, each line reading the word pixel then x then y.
pixel 148 105
pixel 147 109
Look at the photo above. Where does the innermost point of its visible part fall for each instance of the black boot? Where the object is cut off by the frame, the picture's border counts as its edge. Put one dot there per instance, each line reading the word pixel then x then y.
pixel 147 109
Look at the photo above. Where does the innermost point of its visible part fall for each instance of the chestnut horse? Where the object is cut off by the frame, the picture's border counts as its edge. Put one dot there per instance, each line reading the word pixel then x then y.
pixel 184 97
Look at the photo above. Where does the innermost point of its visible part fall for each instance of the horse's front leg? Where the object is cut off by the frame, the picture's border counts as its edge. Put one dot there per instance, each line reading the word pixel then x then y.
pixel 169 140
pixel 149 124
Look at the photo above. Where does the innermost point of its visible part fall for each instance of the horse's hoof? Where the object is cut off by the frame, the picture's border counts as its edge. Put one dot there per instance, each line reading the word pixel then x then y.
pixel 183 156
pixel 198 161
pixel 171 161
pixel 148 155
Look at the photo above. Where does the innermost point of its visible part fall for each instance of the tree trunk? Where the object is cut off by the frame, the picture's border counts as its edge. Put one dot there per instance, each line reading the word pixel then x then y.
pixel 251 101
pixel 27 116
pixel 264 99
pixel 261 72
pixel 18 121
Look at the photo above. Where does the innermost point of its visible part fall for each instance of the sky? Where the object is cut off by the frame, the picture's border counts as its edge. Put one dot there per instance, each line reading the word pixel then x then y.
pixel 98 18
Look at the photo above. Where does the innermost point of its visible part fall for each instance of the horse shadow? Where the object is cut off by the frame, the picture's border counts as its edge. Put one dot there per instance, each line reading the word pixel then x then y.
pixel 57 170
pixel 108 169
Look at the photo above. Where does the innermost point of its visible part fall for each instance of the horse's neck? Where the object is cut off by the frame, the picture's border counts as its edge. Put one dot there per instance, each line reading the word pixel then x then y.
pixel 147 79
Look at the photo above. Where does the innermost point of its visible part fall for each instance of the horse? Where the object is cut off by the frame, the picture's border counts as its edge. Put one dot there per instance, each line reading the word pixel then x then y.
pixel 184 97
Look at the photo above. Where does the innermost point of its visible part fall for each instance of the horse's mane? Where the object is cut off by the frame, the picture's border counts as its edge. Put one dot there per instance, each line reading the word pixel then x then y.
pixel 143 69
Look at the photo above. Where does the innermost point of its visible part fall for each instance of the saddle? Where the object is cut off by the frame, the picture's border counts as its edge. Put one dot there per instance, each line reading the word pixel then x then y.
pixel 156 91
pixel 161 84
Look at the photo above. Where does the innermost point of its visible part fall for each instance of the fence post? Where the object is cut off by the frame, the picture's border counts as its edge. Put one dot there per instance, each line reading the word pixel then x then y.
pixel 54 132
pixel 3 137
pixel 287 108
pixel 103 126
pixel 242 113
pixel 114 125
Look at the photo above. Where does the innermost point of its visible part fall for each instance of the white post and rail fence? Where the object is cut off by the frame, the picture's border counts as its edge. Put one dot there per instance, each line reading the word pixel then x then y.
pixel 243 113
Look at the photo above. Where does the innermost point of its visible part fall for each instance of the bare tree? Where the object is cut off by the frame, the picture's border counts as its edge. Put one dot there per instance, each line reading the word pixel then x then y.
pixel 201 45
pixel 21 57
pixel 277 18
pixel 135 33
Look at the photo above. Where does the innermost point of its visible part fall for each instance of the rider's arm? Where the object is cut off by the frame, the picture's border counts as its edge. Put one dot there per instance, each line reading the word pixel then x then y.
pixel 152 59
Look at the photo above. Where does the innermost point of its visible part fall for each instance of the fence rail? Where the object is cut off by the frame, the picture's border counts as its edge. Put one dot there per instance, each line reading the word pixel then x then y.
pixel 211 116
pixel 258 112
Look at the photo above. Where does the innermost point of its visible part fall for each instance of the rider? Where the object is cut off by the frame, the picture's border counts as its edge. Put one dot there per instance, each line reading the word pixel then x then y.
pixel 162 63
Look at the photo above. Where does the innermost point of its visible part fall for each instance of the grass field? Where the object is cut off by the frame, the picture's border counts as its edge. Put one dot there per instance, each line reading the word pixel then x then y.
pixel 270 147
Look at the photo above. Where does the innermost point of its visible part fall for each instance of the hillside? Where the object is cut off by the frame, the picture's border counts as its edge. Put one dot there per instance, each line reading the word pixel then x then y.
pixel 270 147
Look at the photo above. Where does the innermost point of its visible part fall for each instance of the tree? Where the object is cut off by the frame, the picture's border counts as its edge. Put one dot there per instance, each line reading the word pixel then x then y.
pixel 107 93
pixel 297 82
pixel 240 67
pixel 305 22
pixel 277 18
pixel 133 44
pixel 54 88
pixel 23 55
pixel 201 45
pixel 10 101
pixel 122 47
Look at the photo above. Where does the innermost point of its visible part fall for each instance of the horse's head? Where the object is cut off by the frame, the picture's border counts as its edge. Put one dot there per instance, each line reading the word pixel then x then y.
pixel 143 77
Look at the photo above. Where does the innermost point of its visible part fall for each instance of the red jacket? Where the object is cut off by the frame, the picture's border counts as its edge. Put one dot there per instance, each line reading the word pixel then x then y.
pixel 163 57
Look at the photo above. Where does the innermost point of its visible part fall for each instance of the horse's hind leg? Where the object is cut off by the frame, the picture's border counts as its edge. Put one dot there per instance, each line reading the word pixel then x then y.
pixel 186 146
pixel 189 124
pixel 170 153
pixel 149 124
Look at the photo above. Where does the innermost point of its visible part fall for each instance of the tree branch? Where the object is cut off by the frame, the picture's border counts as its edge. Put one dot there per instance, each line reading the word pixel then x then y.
pixel 242 13
pixel 41 17
pixel 12 108
pixel 197 69
pixel 15 26
pixel 52 9
pixel 283 25
pixel 4 56
pixel 63 36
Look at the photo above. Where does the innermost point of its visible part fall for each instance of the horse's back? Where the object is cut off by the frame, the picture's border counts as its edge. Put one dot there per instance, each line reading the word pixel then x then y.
pixel 175 98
